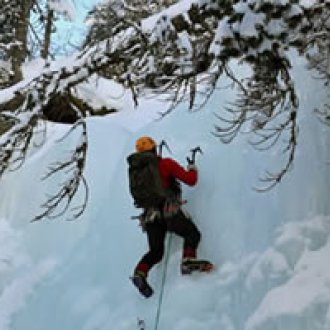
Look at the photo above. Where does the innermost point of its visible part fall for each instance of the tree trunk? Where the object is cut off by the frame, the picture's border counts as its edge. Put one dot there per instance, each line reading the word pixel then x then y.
pixel 19 52
pixel 48 33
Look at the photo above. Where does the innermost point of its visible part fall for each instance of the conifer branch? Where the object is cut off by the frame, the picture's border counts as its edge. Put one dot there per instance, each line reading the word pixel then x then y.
pixel 58 204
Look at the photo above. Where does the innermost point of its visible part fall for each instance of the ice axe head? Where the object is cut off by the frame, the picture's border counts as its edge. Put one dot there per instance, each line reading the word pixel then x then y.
pixel 162 144
pixel 193 154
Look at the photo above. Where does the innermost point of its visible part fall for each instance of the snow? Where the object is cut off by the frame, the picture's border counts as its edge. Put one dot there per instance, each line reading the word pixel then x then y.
pixel 276 27
pixel 178 8
pixel 271 250
pixel 111 95
pixel 306 293
pixel 223 31
pixel 307 3
pixel 63 7
pixel 249 24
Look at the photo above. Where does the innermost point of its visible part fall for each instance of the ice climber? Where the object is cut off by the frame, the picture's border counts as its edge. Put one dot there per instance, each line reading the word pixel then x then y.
pixel 155 187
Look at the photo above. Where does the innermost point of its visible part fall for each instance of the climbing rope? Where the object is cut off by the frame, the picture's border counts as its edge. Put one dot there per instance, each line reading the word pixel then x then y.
pixel 160 301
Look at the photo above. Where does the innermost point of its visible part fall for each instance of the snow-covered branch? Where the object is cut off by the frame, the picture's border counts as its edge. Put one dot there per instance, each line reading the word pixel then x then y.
pixel 188 44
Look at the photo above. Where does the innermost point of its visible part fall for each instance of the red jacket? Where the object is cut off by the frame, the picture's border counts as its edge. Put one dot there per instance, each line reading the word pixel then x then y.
pixel 170 168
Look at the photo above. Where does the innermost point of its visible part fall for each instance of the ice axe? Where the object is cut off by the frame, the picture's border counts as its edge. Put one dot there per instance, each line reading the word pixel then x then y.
pixel 162 144
pixel 194 151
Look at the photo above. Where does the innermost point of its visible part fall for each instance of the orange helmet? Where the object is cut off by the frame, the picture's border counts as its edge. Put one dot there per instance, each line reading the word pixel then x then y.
pixel 145 143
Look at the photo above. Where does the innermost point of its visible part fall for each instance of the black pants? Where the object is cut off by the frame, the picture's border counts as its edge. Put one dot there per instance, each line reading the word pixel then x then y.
pixel 181 225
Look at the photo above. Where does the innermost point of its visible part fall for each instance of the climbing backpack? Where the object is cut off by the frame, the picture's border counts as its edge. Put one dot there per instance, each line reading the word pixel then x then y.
pixel 145 183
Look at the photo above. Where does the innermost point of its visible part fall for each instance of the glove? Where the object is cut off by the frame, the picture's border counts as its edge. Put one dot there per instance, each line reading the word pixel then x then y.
pixel 191 164
pixel 192 167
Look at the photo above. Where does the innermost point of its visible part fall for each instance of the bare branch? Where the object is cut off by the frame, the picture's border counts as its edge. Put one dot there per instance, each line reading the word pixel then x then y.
pixel 58 204
pixel 16 142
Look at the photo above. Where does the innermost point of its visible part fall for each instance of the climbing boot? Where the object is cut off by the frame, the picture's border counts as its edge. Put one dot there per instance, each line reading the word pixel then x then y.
pixel 139 279
pixel 190 265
